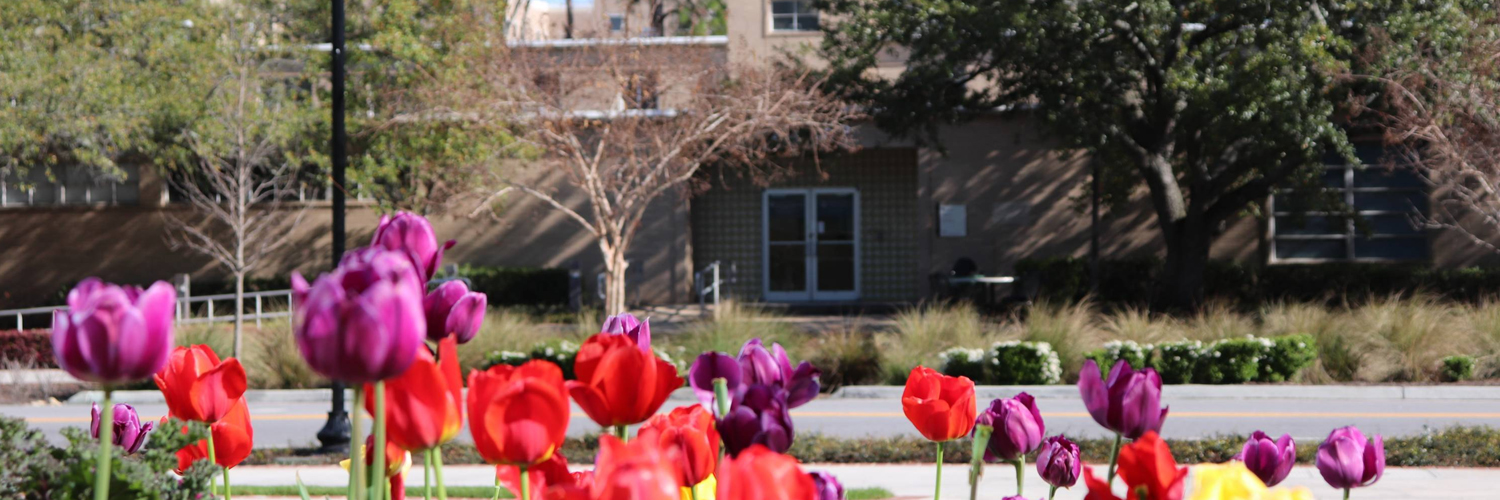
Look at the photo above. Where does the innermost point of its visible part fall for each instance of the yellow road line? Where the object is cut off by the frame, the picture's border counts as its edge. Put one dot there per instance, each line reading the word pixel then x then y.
pixel 857 414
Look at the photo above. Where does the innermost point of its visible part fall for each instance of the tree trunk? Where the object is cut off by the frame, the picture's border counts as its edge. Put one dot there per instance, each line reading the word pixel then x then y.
pixel 239 311
pixel 614 282
pixel 1181 284
pixel 568 26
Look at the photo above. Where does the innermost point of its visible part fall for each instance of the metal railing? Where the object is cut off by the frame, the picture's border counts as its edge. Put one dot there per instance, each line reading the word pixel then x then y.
pixel 709 281
pixel 200 309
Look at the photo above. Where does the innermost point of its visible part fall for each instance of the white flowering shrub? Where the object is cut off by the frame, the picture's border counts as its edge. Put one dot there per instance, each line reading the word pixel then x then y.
pixel 1023 363
pixel 1175 361
pixel 961 362
pixel 1231 361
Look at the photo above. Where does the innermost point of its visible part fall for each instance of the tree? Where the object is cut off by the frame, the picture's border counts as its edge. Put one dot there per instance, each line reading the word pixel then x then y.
pixel 245 169
pixel 1212 106
pixel 93 84
pixel 1441 115
pixel 628 123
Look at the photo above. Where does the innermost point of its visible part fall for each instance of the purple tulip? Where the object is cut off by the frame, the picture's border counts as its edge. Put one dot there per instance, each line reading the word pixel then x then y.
pixel 710 366
pixel 363 322
pixel 129 432
pixel 625 324
pixel 452 309
pixel 1271 461
pixel 1348 460
pixel 412 236
pixel 827 485
pixel 112 334
pixel 760 417
pixel 1018 428
pixel 773 367
pixel 1059 462
pixel 1127 403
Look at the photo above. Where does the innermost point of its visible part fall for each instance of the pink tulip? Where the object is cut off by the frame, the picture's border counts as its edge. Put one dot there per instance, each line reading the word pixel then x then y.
pixel 129 432
pixel 1128 403
pixel 1018 428
pixel 412 236
pixel 626 324
pixel 112 334
pixel 363 322
pixel 1271 461
pixel 1348 460
pixel 452 309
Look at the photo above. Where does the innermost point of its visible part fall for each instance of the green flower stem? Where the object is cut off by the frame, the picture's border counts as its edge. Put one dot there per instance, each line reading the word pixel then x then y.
pixel 1114 458
pixel 693 492
pixel 497 490
pixel 213 460
pixel 525 485
pixel 976 458
pixel 437 471
pixel 377 470
pixel 622 431
pixel 427 475
pixel 1346 493
pixel 228 492
pixel 721 397
pixel 357 448
pixel 937 492
pixel 1020 463
pixel 1051 493
pixel 106 445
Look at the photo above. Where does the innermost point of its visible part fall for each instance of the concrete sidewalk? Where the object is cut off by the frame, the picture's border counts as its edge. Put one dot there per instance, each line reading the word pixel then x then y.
pixel 909 481
pixel 983 393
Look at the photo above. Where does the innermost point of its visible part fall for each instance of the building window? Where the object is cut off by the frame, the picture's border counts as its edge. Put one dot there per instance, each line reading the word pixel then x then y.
pixel 1385 199
pixel 793 15
pixel 70 186
pixel 616 23
pixel 641 92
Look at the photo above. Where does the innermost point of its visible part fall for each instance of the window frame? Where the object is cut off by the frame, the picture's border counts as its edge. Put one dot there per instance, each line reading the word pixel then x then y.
pixel 98 193
pixel 616 17
pixel 1351 236
pixel 796 16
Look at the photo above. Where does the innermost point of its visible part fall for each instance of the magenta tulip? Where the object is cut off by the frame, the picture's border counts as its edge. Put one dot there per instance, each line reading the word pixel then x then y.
pixel 129 432
pixel 827 486
pixel 1271 461
pixel 1059 462
pixel 363 322
pixel 760 417
pixel 452 309
pixel 112 334
pixel 1018 428
pixel 625 324
pixel 715 365
pixel 1127 403
pixel 1348 460
pixel 412 236
pixel 773 367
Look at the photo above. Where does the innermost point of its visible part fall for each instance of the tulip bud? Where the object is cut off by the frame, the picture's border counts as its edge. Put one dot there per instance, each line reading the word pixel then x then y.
pixel 452 309
pixel 1134 412
pixel 1271 461
pixel 625 324
pixel 1018 428
pixel 363 322
pixel 1059 462
pixel 412 236
pixel 827 485
pixel 1348 460
pixel 129 432
pixel 101 317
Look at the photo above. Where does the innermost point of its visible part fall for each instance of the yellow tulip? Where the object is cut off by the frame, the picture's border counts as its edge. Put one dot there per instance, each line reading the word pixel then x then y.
pixel 707 488
pixel 1229 481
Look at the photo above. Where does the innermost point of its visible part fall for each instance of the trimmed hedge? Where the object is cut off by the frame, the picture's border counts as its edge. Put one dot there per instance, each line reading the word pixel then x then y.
pixel 518 286
pixel 28 347
pixel 1132 281
pixel 1228 361
pixel 1005 363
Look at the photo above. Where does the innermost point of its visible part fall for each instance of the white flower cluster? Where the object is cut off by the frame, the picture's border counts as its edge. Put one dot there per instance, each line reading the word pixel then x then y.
pixel 1122 349
pixel 564 352
pixel 510 357
pixel 1042 351
pixel 959 354
pixel 1177 348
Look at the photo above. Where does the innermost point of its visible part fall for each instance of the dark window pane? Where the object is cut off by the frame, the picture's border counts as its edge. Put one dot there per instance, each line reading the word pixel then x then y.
pixel 43 191
pixel 782 22
pixel 788 217
pixel 1369 154
pixel 836 268
pixel 1333 177
pixel 1401 201
pixel 1309 224
pixel 1309 249
pixel 1391 224
pixel 78 182
pixel 836 215
pixel 783 7
pixel 1385 177
pixel 14 195
pixel 1391 248
pixel 808 22
pixel 128 191
pixel 806 7
pixel 788 268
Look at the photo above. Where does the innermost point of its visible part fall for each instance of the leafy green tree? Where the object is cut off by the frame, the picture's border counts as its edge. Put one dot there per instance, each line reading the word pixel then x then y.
pixel 1212 106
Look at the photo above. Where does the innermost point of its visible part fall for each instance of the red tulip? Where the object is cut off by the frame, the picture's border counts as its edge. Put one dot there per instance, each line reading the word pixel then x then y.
pixel 518 415
pixel 423 406
pixel 640 470
pixel 550 473
pixel 761 474
pixel 691 430
pixel 941 407
pixel 578 486
pixel 1147 469
pixel 233 438
pixel 618 383
pixel 198 386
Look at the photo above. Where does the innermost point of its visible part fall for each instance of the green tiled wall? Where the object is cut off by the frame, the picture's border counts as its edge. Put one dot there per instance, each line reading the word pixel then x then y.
pixel 727 223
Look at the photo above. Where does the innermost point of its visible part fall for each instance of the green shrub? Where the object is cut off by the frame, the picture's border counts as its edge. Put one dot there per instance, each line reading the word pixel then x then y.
pixel 560 352
pixel 962 362
pixel 1138 355
pixel 1230 361
pixel 1023 363
pixel 36 469
pixel 518 286
pixel 846 358
pixel 1457 368
pixel 1175 361
pixel 1287 356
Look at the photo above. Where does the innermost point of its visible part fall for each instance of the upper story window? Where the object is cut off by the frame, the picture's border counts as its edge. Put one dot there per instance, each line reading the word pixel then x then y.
pixel 641 91
pixel 70 186
pixel 1386 200
pixel 793 15
pixel 616 23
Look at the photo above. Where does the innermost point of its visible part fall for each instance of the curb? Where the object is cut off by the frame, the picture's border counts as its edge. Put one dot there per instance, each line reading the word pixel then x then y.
pixel 983 392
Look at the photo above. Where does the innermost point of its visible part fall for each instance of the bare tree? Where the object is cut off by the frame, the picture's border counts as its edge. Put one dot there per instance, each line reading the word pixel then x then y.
pixel 627 122
pixel 236 194
pixel 1441 116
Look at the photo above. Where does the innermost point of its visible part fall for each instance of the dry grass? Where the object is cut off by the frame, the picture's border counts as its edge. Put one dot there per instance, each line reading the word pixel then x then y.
pixel 925 330
pixel 735 324
pixel 1072 329
pixel 1414 334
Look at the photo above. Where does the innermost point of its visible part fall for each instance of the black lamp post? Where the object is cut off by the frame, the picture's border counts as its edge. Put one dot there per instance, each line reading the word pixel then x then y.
pixel 335 432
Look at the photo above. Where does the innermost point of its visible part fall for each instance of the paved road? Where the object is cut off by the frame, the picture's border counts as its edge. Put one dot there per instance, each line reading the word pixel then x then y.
pixel 294 424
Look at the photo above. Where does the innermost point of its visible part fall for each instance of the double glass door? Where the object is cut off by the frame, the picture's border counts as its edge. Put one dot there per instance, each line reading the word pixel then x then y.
pixel 811 248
